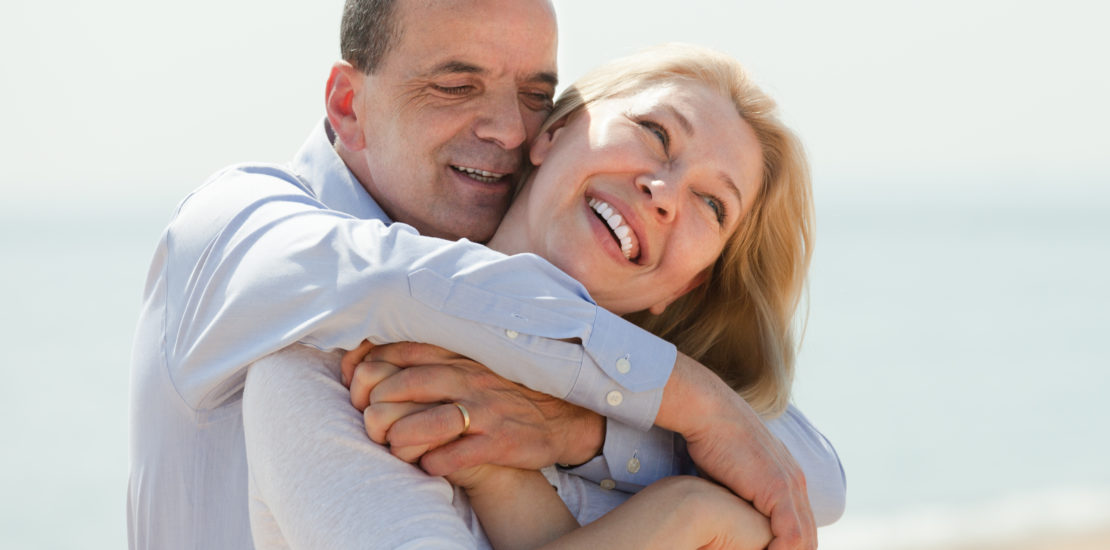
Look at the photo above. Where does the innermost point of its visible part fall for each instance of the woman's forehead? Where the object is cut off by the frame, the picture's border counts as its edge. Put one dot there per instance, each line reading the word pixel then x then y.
pixel 693 95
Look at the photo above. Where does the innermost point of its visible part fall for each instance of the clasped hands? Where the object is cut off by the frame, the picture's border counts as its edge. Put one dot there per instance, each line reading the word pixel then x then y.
pixel 408 394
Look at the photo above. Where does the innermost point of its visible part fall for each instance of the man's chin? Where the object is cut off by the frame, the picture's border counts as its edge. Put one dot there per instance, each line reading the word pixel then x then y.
pixel 474 223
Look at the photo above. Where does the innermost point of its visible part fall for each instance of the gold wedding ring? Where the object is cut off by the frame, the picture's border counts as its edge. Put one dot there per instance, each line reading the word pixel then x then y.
pixel 466 417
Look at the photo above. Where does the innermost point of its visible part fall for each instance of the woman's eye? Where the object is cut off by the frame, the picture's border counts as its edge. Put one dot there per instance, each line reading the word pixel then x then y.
pixel 659 131
pixel 717 205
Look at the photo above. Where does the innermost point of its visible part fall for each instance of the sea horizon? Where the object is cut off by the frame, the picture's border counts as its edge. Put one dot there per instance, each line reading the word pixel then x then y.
pixel 951 355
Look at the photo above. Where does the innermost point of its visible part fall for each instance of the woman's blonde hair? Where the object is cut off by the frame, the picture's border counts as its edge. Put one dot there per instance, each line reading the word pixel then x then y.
pixel 740 322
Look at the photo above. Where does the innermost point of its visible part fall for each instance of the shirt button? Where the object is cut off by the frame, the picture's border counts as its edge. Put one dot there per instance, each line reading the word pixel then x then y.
pixel 608 484
pixel 512 334
pixel 633 465
pixel 623 365
pixel 614 398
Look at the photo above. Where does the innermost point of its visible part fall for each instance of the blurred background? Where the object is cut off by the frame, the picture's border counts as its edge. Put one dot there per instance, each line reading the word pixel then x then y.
pixel 955 350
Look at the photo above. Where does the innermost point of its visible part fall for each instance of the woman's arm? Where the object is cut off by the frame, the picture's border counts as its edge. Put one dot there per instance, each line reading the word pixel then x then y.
pixel 675 513
pixel 519 509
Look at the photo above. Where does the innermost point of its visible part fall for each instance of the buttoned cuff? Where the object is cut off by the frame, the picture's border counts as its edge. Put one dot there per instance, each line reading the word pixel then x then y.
pixel 631 459
pixel 633 357
pixel 623 371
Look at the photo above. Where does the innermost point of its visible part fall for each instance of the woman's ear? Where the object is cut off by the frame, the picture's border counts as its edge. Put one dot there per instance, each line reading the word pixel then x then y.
pixel 658 309
pixel 542 145
pixel 344 83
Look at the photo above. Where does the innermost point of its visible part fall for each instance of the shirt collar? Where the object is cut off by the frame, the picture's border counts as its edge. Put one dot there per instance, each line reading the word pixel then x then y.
pixel 329 179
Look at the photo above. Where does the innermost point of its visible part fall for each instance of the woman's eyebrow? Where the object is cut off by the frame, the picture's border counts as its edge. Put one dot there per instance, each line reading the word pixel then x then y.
pixel 682 120
pixel 689 129
pixel 731 185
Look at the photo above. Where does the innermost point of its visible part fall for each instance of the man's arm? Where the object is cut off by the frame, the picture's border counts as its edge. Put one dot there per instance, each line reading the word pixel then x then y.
pixel 253 262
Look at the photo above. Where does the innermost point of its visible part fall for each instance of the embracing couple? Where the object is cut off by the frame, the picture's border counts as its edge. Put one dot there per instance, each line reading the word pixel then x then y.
pixel 610 369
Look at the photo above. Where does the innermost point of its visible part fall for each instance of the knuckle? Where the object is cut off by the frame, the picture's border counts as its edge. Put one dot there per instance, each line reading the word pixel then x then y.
pixel 373 425
pixel 447 419
pixel 407 351
pixel 778 485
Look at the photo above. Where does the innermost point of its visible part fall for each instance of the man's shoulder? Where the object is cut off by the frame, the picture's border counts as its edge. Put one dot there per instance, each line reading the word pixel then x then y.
pixel 236 192
pixel 259 176
pixel 244 183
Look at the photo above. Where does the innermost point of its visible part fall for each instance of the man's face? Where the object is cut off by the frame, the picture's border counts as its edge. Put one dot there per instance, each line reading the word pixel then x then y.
pixel 446 115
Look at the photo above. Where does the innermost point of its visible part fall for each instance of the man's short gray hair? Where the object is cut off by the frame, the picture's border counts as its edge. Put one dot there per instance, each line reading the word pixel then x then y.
pixel 368 30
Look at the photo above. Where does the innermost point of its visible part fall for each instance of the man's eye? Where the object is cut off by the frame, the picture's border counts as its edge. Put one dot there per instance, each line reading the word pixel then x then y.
pixel 537 101
pixel 659 131
pixel 453 90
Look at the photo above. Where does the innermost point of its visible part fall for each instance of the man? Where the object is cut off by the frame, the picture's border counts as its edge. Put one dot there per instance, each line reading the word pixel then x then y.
pixel 427 118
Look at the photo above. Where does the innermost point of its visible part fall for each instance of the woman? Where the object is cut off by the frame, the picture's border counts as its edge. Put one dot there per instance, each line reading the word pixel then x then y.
pixel 666 186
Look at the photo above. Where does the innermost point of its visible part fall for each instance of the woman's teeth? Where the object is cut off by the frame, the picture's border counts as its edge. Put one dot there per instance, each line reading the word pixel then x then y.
pixel 616 223
pixel 480 175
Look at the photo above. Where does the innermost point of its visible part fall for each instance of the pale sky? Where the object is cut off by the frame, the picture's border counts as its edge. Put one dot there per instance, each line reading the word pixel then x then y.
pixel 143 99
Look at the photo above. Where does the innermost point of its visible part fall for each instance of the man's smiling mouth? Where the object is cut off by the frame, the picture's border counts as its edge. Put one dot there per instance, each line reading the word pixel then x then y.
pixel 625 237
pixel 480 175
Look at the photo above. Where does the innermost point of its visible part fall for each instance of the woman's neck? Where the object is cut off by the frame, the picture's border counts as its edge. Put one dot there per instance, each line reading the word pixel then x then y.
pixel 512 234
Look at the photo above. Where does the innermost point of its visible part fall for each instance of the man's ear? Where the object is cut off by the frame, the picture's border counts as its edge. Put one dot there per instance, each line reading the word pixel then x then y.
pixel 658 309
pixel 344 83
pixel 542 145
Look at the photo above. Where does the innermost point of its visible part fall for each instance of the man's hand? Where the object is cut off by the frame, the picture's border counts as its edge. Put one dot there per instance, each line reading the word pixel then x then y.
pixel 407 391
pixel 729 443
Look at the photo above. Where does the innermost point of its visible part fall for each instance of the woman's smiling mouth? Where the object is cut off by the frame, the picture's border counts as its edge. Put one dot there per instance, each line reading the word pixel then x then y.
pixel 625 237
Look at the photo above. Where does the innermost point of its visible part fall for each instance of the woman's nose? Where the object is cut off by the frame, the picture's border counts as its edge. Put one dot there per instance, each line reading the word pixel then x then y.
pixel 661 195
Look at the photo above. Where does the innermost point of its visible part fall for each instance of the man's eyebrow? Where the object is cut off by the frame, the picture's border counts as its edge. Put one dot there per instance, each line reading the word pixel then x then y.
pixel 450 67
pixel 545 77
pixel 456 67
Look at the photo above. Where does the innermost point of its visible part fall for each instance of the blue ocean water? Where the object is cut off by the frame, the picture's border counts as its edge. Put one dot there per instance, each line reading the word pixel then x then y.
pixel 954 354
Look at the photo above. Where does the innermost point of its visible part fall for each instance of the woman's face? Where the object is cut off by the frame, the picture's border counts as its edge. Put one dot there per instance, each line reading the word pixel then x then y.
pixel 636 196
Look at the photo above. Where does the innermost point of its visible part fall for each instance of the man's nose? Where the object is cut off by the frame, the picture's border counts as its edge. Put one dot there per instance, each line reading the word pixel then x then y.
pixel 662 195
pixel 502 122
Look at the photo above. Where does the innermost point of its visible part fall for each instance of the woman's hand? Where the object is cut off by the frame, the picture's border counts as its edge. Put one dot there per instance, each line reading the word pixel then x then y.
pixel 351 360
pixel 727 440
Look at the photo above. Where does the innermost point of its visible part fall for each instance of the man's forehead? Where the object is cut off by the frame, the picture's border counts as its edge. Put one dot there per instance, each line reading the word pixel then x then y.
pixel 414 12
pixel 443 37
